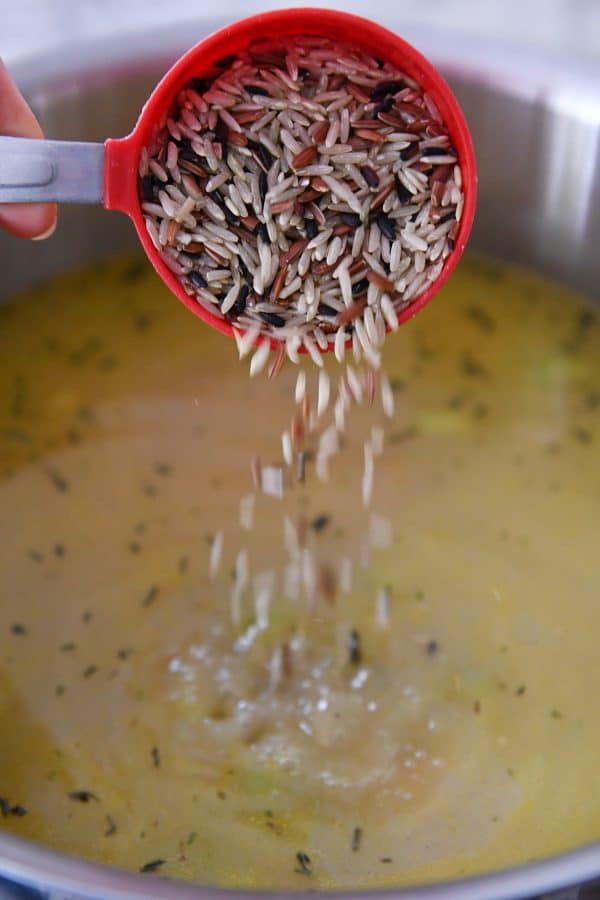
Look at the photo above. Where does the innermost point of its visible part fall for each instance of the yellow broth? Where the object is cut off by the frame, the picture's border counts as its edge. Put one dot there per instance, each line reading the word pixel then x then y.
pixel 141 727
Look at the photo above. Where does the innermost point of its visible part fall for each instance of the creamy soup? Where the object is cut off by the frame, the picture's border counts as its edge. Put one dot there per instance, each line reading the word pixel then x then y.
pixel 456 733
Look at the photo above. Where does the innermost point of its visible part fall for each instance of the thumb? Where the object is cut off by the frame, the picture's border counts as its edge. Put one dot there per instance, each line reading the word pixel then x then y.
pixel 29 220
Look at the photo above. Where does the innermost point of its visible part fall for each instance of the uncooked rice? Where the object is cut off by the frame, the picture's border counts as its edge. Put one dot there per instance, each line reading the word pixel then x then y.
pixel 290 176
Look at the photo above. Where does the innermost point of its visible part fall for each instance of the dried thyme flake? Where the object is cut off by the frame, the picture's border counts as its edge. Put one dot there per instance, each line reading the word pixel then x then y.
pixel 35 555
pixel 304 865
pixel 111 826
pixel 163 469
pixel 9 809
pixel 18 629
pixel 354 648
pixel 481 318
pixel 520 690
pixel 153 865
pixel 320 522
pixel 134 271
pixel 155 754
pixel 471 367
pixel 432 647
pixel 68 647
pixel 89 671
pixel 151 595
pixel 581 434
pixel 59 481
pixel 356 839
pixel 83 796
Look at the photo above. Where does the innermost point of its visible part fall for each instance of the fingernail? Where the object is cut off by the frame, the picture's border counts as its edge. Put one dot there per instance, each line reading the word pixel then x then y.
pixel 45 234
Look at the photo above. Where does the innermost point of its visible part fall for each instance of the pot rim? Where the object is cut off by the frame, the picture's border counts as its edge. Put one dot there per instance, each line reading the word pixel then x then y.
pixel 31 864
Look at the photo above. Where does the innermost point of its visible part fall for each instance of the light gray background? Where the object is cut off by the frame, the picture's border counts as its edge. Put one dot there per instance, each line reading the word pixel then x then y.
pixel 569 29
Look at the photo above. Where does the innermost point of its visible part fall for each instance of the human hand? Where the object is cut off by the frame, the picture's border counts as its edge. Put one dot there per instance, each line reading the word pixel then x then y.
pixel 27 220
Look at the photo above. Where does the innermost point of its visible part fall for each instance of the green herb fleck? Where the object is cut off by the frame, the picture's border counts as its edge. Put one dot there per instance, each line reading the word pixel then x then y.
pixel 59 690
pixel 556 714
pixel 67 647
pixel 432 647
pixel 153 865
pixel 111 827
pixel 520 690
pixel 356 839
pixel 155 754
pixel 163 469
pixel 89 671
pixel 18 629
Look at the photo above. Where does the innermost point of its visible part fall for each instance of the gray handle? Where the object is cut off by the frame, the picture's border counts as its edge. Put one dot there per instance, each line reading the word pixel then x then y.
pixel 33 171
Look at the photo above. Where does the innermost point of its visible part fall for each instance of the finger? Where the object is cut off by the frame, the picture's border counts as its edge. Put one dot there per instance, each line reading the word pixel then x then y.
pixel 32 220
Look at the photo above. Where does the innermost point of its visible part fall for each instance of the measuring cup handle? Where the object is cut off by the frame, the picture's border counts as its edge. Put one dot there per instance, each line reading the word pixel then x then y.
pixel 34 171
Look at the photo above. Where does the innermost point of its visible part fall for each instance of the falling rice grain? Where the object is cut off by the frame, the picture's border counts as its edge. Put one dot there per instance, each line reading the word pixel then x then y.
pixel 387 397
pixel 247 511
pixel 300 390
pixel 286 448
pixel 216 550
pixel 323 393
pixel 259 360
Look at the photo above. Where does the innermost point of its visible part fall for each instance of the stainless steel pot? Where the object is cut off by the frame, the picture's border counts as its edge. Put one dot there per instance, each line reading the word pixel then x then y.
pixel 536 128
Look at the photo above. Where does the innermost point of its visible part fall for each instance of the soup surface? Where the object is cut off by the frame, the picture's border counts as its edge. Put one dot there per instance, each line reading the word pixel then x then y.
pixel 455 732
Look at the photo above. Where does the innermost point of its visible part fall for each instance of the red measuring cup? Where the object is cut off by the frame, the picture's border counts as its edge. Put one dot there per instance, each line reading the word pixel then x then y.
pixel 62 171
